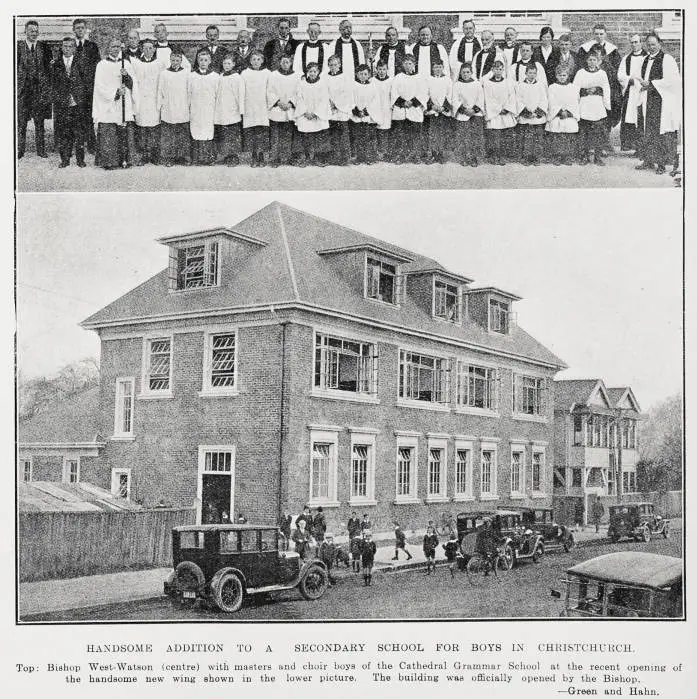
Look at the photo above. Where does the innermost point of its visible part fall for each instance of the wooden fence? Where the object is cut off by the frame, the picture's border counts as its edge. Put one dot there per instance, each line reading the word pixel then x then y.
pixel 70 544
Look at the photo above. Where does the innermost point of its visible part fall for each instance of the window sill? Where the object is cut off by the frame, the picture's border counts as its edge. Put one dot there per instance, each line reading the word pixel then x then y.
pixel 440 319
pixel 489 497
pixel 436 498
pixel 484 412
pixel 382 302
pixel 347 396
pixel 529 418
pixel 423 405
pixel 463 498
pixel 517 496
pixel 123 438
pixel 363 503
pixel 155 396
pixel 406 501
pixel 230 393
pixel 323 503
pixel 538 496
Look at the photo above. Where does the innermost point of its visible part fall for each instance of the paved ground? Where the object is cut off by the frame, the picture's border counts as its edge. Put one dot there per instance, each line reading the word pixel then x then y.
pixel 35 174
pixel 406 593
pixel 54 596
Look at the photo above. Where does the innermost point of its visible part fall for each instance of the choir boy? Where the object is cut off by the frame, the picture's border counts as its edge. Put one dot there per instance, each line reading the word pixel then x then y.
pixel 383 84
pixel 311 113
pixel 532 109
pixel 147 71
pixel 340 86
pixel 255 111
pixel 500 113
pixel 594 92
pixel 280 99
pixel 468 109
pixel 364 115
pixel 409 98
pixel 563 117
pixel 173 103
pixel 203 87
pixel 438 110
pixel 227 119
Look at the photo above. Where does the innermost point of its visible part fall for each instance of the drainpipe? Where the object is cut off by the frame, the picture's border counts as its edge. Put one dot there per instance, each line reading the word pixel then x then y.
pixel 281 478
pixel 618 437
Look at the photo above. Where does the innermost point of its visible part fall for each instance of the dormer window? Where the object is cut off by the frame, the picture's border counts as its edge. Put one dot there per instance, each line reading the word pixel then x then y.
pixel 499 316
pixel 194 266
pixel 446 301
pixel 381 281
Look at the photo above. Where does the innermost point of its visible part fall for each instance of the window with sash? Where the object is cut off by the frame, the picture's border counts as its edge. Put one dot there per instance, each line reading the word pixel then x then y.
pixel 477 387
pixel 345 365
pixel 488 473
pixel 628 482
pixel 321 462
pixel 71 472
pixel 423 378
pixel 360 460
pixel 123 420
pixel 446 301
pixel 538 467
pixel 463 472
pixel 158 362
pixel 194 266
pixel 517 472
pixel 381 281
pixel 498 316
pixel 221 366
pixel 436 471
pixel 578 430
pixel 121 483
pixel 26 469
pixel 406 472
pixel 528 395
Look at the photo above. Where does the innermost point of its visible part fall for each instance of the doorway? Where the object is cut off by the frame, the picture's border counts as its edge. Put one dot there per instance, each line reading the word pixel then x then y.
pixel 216 469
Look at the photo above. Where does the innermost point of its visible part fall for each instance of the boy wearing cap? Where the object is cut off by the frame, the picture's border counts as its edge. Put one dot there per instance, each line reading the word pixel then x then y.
pixel 400 542
pixel 450 547
pixel 327 553
pixel 368 550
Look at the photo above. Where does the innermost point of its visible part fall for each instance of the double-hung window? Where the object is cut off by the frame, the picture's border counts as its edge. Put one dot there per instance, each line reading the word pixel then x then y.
pixel 498 316
pixel 538 471
pixel 345 365
pixel 517 471
pixel 446 301
pixel 528 395
pixel 477 387
pixel 323 466
pixel 437 477
pixel 423 378
pixel 406 469
pixel 123 417
pixel 362 474
pixel 220 363
pixel 381 280
pixel 25 466
pixel 488 468
pixel 463 470
pixel 71 470
pixel 194 266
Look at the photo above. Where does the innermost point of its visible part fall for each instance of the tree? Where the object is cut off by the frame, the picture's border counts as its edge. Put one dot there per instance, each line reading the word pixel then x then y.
pixel 660 464
pixel 33 395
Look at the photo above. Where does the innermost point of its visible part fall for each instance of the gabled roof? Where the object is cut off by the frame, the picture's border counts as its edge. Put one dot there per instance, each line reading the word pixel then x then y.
pixel 494 290
pixel 73 420
pixel 571 392
pixel 288 271
pixel 623 397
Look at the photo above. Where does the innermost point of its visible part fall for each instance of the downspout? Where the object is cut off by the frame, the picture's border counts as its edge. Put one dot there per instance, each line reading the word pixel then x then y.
pixel 282 422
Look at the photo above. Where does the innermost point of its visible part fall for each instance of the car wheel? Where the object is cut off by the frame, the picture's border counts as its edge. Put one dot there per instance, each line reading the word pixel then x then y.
pixel 227 591
pixel 666 532
pixel 569 543
pixel 187 576
pixel 538 553
pixel 646 535
pixel 314 582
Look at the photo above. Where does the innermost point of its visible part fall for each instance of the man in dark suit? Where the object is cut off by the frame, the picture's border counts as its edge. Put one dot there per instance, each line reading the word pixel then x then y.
pixel 87 54
pixel 33 88
pixel 217 50
pixel 71 94
pixel 283 45
pixel 242 52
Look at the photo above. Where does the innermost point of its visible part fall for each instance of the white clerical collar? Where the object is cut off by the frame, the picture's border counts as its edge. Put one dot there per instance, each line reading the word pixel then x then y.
pixel 31 44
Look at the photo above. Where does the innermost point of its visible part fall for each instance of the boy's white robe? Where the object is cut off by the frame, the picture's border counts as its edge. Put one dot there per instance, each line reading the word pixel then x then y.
pixel 384 90
pixel 106 109
pixel 593 107
pixel 340 96
pixel 312 98
pixel 365 96
pixel 440 90
pixel 497 97
pixel 281 88
pixel 563 97
pixel 409 87
pixel 202 92
pixel 148 76
pixel 467 95
pixel 253 97
pixel 173 96
pixel 531 96
pixel 228 100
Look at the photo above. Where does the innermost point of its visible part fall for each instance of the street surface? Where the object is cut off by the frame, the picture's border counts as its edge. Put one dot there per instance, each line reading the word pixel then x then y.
pixel 411 594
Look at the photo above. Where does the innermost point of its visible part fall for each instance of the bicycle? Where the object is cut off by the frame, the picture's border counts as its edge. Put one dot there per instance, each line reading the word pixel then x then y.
pixel 480 566
pixel 447 525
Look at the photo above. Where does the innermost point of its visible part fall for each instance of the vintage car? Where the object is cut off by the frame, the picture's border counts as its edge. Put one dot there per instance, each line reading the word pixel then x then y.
pixel 624 584
pixel 555 536
pixel 636 520
pixel 517 541
pixel 225 563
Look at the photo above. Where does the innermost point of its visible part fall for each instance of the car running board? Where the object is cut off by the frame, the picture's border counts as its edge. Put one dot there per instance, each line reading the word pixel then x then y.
pixel 271 588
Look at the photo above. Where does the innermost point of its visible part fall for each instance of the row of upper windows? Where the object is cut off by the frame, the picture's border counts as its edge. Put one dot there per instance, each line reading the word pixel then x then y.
pixel 342 367
pixel 198 266
pixel 604 431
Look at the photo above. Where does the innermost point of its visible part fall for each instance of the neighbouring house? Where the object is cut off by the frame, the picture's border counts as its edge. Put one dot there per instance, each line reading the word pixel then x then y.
pixel 595 446
pixel 188 30
pixel 288 360
pixel 61 443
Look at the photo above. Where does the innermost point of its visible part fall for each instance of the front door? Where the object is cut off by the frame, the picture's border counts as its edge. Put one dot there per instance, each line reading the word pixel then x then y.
pixel 215 498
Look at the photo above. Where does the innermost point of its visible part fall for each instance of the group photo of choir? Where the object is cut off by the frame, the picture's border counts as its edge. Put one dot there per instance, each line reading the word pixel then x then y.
pixel 302 101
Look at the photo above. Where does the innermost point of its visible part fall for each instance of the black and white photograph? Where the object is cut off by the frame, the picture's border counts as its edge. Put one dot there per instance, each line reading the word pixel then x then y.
pixel 439 100
pixel 375 322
